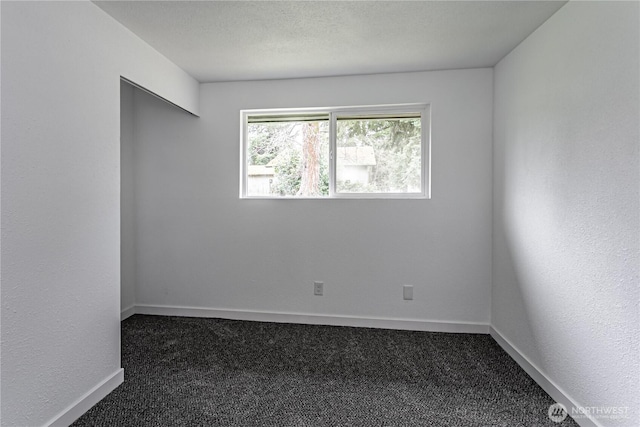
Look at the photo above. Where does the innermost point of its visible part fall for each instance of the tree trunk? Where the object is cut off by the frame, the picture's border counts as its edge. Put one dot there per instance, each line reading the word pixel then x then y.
pixel 310 174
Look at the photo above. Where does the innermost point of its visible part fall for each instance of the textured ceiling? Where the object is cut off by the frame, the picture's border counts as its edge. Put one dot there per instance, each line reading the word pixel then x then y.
pixel 245 40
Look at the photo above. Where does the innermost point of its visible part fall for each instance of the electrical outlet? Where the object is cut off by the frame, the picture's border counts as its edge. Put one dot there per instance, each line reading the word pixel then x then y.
pixel 407 292
pixel 318 288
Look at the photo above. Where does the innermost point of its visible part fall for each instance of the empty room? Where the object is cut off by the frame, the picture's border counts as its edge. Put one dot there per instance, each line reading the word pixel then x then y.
pixel 320 213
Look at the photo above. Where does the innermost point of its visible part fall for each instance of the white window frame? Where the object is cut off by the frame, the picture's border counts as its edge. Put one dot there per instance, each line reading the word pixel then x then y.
pixel 424 110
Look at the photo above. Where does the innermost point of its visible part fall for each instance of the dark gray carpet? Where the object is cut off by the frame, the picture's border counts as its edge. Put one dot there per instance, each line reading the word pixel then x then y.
pixel 210 372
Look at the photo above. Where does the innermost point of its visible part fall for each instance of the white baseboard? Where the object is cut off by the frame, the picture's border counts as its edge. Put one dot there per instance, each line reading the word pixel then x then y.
pixel 86 402
pixel 127 312
pixel 315 319
pixel 547 384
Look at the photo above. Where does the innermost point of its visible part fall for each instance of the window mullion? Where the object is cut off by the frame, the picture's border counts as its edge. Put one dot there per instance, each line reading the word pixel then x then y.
pixel 244 155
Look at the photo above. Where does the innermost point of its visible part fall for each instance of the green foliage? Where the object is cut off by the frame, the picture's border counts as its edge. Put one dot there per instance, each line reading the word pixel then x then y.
pixel 324 178
pixel 279 145
pixel 262 147
pixel 288 178
pixel 396 144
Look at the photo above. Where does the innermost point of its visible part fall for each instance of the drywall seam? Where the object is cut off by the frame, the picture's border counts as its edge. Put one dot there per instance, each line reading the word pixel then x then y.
pixel 539 376
pixel 86 402
pixel 315 319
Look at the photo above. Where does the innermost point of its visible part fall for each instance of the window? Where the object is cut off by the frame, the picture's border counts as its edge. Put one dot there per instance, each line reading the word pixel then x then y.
pixel 359 152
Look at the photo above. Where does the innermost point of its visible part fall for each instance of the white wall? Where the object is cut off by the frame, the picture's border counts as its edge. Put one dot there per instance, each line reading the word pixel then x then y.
pixel 566 207
pixel 127 199
pixel 198 245
pixel 61 68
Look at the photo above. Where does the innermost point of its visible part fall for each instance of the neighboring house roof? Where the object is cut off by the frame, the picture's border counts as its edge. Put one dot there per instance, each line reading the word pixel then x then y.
pixel 260 170
pixel 356 156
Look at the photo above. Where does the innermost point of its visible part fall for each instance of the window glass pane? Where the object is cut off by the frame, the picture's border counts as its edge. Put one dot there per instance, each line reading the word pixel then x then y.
pixel 379 155
pixel 288 157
